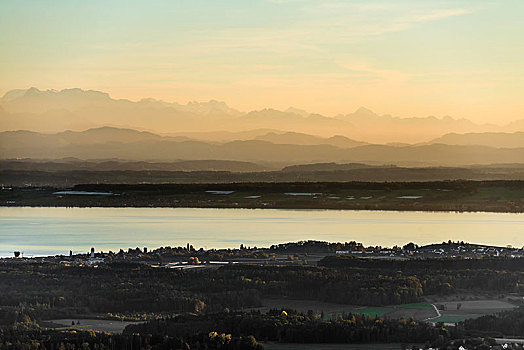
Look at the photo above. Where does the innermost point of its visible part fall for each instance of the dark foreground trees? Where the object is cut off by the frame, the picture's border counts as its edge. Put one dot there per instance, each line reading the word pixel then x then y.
pixel 228 330
pixel 191 307
pixel 17 338
pixel 292 327
pixel 47 289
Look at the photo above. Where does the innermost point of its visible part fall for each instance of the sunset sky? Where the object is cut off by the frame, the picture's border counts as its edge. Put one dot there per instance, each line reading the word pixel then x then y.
pixel 406 58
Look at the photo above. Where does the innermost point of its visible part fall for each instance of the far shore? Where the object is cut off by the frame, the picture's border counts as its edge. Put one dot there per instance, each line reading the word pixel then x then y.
pixel 435 196
pixel 333 208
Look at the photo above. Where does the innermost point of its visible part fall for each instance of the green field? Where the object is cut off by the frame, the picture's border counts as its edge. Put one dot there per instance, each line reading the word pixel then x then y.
pixel 373 311
pixel 422 305
pixel 453 318
pixel 381 311
pixel 406 310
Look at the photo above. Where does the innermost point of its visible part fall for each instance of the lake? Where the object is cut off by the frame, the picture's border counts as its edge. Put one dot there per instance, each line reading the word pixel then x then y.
pixel 46 231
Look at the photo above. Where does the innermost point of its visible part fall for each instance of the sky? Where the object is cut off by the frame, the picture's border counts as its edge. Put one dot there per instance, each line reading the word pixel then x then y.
pixel 405 58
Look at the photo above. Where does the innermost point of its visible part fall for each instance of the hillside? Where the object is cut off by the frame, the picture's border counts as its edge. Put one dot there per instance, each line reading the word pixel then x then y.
pixel 131 145
pixel 305 139
pixel 331 167
pixel 72 164
pixel 491 139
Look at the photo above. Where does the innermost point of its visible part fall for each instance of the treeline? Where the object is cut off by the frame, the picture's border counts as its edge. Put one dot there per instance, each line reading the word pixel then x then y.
pixel 241 330
pixel 47 174
pixel 425 264
pixel 311 246
pixel 457 195
pixel 121 288
pixel 288 326
pixel 362 287
pixel 283 187
pixel 300 247
pixel 36 338
pixel 503 324
pixel 372 285
pixel 442 276
pixel 133 288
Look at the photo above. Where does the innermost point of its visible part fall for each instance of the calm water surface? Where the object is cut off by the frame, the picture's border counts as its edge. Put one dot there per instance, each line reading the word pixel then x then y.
pixel 44 231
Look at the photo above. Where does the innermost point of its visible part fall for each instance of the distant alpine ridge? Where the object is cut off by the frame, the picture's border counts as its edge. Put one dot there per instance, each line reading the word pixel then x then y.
pixel 76 109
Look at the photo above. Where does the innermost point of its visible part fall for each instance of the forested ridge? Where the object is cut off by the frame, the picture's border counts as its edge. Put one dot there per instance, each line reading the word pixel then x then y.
pixel 205 301
pixel 507 323
pixel 37 338
pixel 293 327
pixel 424 264
pixel 241 330
pixel 134 287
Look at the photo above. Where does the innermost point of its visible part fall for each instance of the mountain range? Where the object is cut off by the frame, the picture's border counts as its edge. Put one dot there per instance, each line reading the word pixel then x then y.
pixel 270 148
pixel 76 109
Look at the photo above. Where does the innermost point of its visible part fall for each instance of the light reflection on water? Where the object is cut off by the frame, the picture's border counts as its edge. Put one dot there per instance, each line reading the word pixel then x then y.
pixel 43 231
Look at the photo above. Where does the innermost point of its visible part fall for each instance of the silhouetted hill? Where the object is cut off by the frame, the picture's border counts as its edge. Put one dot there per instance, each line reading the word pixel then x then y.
pixel 109 143
pixel 72 164
pixel 90 136
pixel 295 138
pixel 379 128
pixel 225 136
pixel 331 167
pixel 492 139
pixel 21 173
pixel 110 134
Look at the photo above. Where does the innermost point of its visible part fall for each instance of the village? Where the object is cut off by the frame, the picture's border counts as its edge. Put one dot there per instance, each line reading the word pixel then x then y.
pixel 299 253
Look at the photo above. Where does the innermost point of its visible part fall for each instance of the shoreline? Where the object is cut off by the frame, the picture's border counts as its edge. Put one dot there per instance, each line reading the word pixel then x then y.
pixel 359 209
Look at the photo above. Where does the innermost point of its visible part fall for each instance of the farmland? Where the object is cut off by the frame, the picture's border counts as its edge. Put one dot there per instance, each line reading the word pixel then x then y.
pixel 100 325
pixel 454 311
pixel 495 196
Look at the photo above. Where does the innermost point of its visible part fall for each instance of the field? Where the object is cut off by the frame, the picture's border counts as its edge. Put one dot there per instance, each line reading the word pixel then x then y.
pixel 305 305
pixel 109 326
pixel 447 308
pixel 457 311
pixel 418 311
pixel 373 311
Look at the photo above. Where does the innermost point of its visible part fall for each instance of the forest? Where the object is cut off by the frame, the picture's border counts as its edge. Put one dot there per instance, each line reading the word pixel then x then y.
pixel 127 287
pixel 241 330
pixel 454 264
pixel 209 301
pixel 506 323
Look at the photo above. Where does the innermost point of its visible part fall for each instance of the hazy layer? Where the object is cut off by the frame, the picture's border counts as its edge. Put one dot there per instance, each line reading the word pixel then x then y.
pixel 76 109
pixel 128 144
